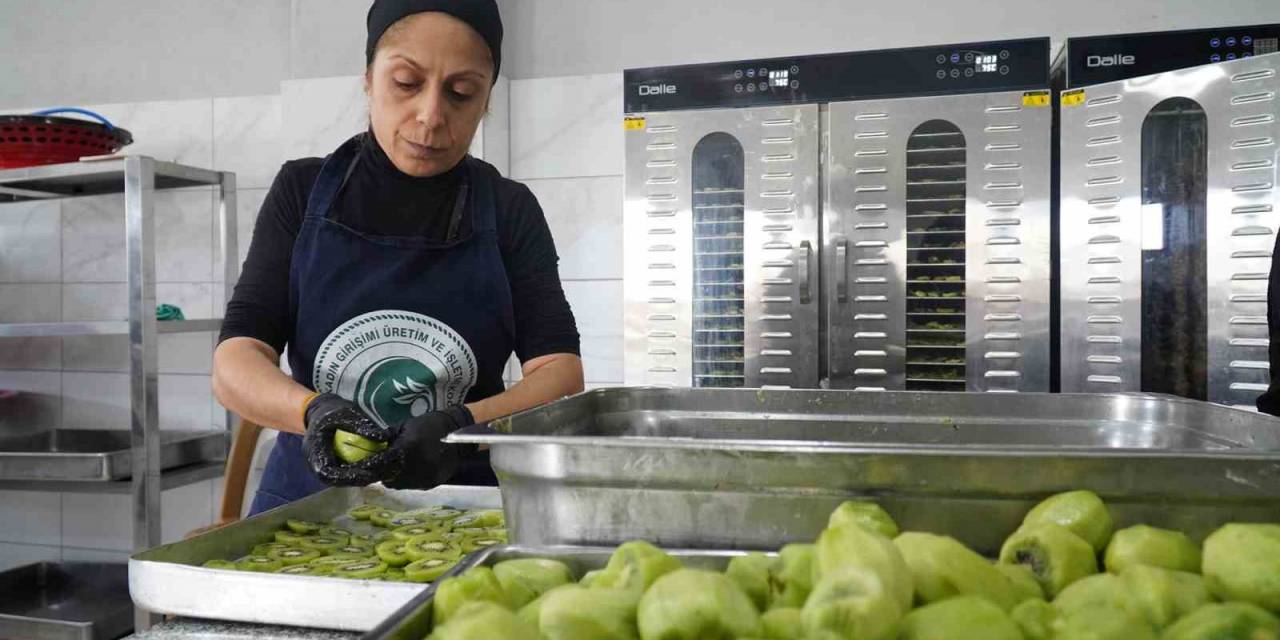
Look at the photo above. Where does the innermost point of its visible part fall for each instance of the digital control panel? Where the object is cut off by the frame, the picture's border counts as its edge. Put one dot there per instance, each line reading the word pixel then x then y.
pixel 964 68
pixel 1093 60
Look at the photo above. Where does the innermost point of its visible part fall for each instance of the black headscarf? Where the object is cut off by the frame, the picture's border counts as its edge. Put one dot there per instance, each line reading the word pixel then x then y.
pixel 481 15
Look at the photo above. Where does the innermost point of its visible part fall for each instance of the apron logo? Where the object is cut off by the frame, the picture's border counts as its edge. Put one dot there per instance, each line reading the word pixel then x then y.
pixel 396 389
pixel 395 365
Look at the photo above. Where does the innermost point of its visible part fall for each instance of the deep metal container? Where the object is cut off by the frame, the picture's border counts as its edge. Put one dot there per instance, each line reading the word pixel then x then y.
pixel 169 579
pixel 748 469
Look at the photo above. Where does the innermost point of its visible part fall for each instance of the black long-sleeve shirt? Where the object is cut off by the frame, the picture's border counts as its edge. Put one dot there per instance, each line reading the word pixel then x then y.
pixel 1269 401
pixel 379 199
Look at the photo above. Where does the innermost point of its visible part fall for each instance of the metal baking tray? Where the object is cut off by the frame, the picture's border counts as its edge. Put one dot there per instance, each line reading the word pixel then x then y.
pixel 169 579
pixel 413 620
pixel 755 469
pixel 68 601
pixel 98 455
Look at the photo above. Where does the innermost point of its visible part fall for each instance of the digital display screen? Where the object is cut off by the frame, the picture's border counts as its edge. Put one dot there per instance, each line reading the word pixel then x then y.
pixel 985 64
pixel 778 78
pixel 1263 46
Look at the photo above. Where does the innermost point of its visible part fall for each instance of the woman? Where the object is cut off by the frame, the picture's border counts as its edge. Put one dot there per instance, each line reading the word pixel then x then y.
pixel 401 274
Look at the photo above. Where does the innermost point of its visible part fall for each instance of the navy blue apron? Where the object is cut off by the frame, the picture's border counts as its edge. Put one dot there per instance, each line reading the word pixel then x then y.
pixel 399 325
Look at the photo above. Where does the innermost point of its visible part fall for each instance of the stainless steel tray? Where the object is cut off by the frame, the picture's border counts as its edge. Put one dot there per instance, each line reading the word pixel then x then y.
pixel 748 469
pixel 169 579
pixel 413 620
pixel 98 455
pixel 71 601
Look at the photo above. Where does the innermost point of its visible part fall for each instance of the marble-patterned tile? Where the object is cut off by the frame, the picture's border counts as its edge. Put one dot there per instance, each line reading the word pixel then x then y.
pixel 178 352
pixel 31 242
pixel 246 139
pixel 321 113
pixel 597 308
pixel 30 303
pixel 104 522
pixel 323 40
pixel 93 238
pixel 585 216
pixel 492 142
pixel 172 130
pixel 37 403
pixel 567 127
pixel 30 517
pixel 13 556
pixel 93 400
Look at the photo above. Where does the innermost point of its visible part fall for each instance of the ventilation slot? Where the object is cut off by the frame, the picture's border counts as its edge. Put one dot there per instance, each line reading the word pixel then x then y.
pixel 936 161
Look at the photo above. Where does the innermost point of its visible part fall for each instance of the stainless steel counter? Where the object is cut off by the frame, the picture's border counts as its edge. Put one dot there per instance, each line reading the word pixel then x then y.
pixel 197 629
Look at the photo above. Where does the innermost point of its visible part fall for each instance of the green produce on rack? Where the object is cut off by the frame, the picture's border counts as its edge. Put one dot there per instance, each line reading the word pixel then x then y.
pixel 849 585
pixel 356 547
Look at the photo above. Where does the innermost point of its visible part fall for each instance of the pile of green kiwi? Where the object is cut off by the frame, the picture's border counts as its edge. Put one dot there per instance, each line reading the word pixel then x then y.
pixel 401 546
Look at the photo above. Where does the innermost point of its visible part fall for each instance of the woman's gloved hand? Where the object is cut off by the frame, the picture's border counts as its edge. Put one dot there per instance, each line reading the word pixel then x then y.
pixel 328 413
pixel 423 460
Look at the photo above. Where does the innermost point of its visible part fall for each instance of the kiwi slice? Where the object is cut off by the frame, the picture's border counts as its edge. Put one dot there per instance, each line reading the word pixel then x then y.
pixel 444 514
pixel 393 553
pixel 486 518
pixel 425 547
pixel 324 544
pixel 475 544
pixel 472 532
pixel 413 531
pixel 304 526
pixel 382 517
pixel 292 556
pixel 266 548
pixel 219 564
pixel 452 536
pixel 291 537
pixel 363 511
pixel 298 570
pixel 353 551
pixel 369 539
pixel 338 561
pixel 334 532
pixel 259 564
pixel 497 532
pixel 360 570
pixel 406 520
pixel 392 574
pixel 428 569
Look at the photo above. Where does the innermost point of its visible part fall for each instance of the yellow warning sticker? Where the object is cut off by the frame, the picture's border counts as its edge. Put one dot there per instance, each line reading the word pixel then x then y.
pixel 632 124
pixel 1035 99
pixel 1073 97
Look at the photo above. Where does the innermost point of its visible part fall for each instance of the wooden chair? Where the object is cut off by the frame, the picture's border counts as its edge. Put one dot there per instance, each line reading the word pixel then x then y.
pixel 235 478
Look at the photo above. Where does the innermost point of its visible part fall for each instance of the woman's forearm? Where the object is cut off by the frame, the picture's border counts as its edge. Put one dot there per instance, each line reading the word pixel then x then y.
pixel 545 379
pixel 248 381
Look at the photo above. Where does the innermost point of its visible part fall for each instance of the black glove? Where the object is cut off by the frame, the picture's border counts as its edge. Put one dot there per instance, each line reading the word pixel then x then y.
pixel 326 414
pixel 425 461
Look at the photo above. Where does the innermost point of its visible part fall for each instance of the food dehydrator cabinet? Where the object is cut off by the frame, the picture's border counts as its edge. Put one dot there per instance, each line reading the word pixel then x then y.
pixel 869 220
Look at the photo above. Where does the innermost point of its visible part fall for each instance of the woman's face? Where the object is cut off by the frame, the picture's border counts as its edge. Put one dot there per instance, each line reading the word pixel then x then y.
pixel 428 88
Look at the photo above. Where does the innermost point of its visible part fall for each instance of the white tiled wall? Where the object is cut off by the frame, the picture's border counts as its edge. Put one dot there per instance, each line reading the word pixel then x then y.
pixel 566 145
pixel 560 136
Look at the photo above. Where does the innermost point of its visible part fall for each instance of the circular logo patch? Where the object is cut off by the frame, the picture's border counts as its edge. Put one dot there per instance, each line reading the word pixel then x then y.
pixel 395 365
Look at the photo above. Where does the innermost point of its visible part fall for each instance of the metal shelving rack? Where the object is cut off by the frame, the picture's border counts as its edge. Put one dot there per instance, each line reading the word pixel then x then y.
pixel 138 178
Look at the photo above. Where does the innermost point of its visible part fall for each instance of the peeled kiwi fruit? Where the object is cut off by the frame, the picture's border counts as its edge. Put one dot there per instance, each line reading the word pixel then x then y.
pixel 289 537
pixel 324 544
pixel 382 517
pixel 471 545
pixel 413 531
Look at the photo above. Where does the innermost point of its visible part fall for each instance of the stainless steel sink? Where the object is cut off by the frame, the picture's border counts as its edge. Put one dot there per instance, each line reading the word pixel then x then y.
pixel 98 455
